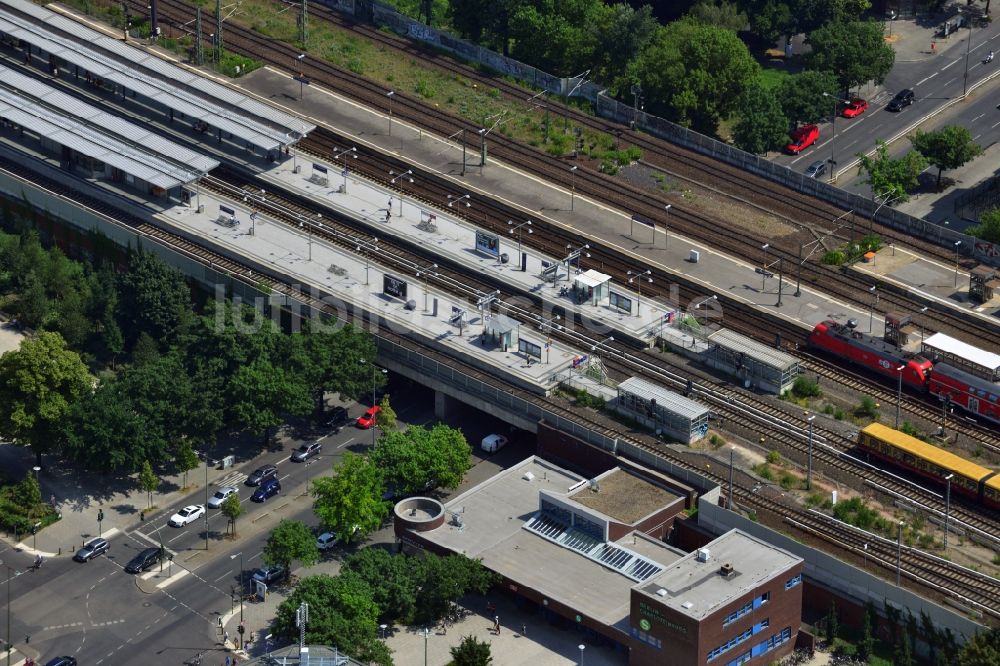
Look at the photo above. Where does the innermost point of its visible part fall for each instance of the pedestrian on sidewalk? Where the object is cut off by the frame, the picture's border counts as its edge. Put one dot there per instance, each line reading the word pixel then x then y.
pixel 524 630
pixel 496 624
pixel 225 638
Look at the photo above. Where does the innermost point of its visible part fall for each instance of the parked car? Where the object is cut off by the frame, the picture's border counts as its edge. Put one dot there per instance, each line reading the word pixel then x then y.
pixel 262 473
pixel 268 575
pixel 144 560
pixel 367 420
pixel 269 488
pixel 802 138
pixel 855 108
pixel 902 99
pixel 307 450
pixel 187 515
pixel 216 500
pixel 61 661
pixel 327 540
pixel 92 549
pixel 338 417
pixel 493 443
pixel 816 169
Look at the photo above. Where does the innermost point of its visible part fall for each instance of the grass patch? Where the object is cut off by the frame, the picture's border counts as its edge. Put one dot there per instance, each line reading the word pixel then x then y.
pixel 772 78
pixel 763 470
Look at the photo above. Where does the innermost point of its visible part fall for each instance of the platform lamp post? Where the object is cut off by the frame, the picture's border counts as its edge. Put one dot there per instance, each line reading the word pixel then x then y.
pixel 452 199
pixel 899 550
pixel 353 152
pixel 511 230
pixel 922 311
pixel 873 290
pixel 947 509
pixel 572 189
pixel 763 268
pixel 299 58
pixel 809 457
pixel 407 177
pixel 958 244
pixel 637 278
pixel 666 226
pixel 729 497
pixel 899 391
pixel 389 96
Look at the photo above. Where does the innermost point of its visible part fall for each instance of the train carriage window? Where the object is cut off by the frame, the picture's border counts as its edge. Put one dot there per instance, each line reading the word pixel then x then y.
pixel 993 398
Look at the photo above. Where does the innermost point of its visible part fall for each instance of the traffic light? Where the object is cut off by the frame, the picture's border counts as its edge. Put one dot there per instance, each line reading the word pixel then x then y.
pixel 100 515
pixel 34 529
pixel 241 629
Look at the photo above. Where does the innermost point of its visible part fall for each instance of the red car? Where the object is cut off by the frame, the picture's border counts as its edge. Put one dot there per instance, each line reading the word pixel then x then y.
pixel 855 108
pixel 367 420
pixel 802 138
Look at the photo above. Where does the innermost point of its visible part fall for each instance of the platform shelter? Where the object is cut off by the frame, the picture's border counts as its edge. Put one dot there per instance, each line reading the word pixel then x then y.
pixel 963 356
pixel 754 364
pixel 661 410
pixel 592 287
pixel 502 331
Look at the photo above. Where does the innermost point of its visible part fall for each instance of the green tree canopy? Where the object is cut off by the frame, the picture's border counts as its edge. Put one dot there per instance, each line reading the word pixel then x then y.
pixel 392 582
pixel 720 13
pixel 854 51
pixel 231 509
pixel 983 649
pixel 386 417
pixel 186 459
pixel 291 540
pixel 761 125
pixel 693 74
pixel 420 458
pixel 802 98
pixel 988 228
pixel 154 298
pixel 39 383
pixel 471 652
pixel 336 357
pixel 947 148
pixel 262 393
pixel 148 481
pixel 350 502
pixel 891 178
pixel 771 19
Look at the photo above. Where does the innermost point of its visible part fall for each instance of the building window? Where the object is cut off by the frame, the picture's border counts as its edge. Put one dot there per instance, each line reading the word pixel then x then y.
pixel 792 582
pixel 742 659
pixel 737 614
pixel 761 600
pixel 741 638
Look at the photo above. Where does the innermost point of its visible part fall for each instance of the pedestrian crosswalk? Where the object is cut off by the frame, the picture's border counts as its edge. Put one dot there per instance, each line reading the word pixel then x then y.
pixel 232 479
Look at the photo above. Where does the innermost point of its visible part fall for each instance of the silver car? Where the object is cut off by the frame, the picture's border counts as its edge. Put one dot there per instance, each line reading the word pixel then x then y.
pixel 816 169
pixel 216 500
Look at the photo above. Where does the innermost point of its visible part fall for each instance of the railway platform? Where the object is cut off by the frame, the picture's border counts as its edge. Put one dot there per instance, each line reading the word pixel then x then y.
pixel 717 273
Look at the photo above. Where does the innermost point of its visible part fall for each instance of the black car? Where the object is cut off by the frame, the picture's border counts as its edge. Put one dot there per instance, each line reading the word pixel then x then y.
pixel 307 450
pixel 92 549
pixel 262 473
pixel 61 661
pixel 902 98
pixel 143 560
pixel 338 417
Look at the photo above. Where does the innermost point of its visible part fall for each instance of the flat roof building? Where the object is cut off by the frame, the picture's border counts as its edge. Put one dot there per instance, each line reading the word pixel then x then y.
pixel 755 364
pixel 660 410
pixel 590 551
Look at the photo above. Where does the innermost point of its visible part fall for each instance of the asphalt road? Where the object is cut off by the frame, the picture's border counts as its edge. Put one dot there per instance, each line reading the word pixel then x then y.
pixel 936 81
pixel 101 615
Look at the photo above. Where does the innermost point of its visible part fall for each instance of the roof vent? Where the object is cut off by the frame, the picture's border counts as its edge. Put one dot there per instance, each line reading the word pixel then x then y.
pixel 727 570
pixel 704 554
pixel 688 605
pixel 456 520
pixel 661 592
pixel 528 476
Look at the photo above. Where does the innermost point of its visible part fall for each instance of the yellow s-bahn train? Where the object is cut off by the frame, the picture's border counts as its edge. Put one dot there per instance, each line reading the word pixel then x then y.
pixel 970 479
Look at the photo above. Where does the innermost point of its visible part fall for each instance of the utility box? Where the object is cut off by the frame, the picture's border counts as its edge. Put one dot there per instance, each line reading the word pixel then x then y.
pixel 694 256
pixel 227 462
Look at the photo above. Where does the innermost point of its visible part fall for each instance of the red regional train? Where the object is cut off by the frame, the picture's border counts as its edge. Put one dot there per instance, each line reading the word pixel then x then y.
pixel 975 395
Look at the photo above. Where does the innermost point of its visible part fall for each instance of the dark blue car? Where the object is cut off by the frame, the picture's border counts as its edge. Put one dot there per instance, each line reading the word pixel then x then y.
pixel 269 488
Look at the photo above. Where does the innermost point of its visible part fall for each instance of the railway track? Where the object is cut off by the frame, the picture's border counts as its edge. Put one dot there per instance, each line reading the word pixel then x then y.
pixel 243 272
pixel 589 182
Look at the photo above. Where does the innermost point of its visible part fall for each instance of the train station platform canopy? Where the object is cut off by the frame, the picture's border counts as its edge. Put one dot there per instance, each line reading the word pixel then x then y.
pixel 175 88
pixel 977 361
pixel 67 121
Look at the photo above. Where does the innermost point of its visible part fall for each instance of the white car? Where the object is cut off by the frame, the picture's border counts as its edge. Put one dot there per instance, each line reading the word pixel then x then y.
pixel 187 515
pixel 493 443
pixel 327 540
pixel 216 500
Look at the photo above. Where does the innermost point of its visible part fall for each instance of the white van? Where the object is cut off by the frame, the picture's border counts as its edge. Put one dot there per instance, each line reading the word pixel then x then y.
pixel 493 443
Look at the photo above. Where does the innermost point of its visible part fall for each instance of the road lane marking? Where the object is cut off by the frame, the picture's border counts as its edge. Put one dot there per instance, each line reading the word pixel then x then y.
pixel 978 117
pixel 927 78
pixel 950 64
pixel 340 446
pixel 994 126
pixel 173 579
pixel 950 80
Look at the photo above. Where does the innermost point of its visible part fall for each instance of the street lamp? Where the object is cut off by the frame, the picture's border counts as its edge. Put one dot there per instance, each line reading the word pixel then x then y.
pixel 957 244
pixel 873 290
pixel 302 77
pixel 833 138
pixel 899 391
pixel 453 199
pixel 16 573
pixel 572 191
pixel 582 648
pixel 375 369
pixel 809 457
pixel 389 95
pixel 763 268
pixel 427 271
pixel 947 509
pixel 922 311
pixel 426 632
pixel 968 46
pixel 899 550
pixel 382 628
pixel 666 226
pixel 638 278
pixel 242 589
pixel 406 178
pixel 520 257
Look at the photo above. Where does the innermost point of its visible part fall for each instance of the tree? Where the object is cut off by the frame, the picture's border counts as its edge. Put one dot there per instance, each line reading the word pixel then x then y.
pixel 27 493
pixel 903 655
pixel 471 652
pixel 981 650
pixel 720 13
pixel 386 417
pixel 988 228
pixel 231 509
pixel 392 582
pixel 149 482
pixel 832 623
pixel 262 393
pixel 154 298
pixel 186 459
pixel 761 125
pixel 443 580
pixel 694 74
pixel 350 502
pixel 620 33
pixel 854 51
pixel 39 382
pixel 419 458
pixel 802 98
pixel 866 646
pixel 891 178
pixel 947 148
pixel 291 540
pixel 335 359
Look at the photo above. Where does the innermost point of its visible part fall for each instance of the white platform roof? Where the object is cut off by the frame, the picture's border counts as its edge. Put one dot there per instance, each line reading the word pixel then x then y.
pixel 949 345
pixel 62 118
pixel 174 87
pixel 669 400
pixel 592 278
